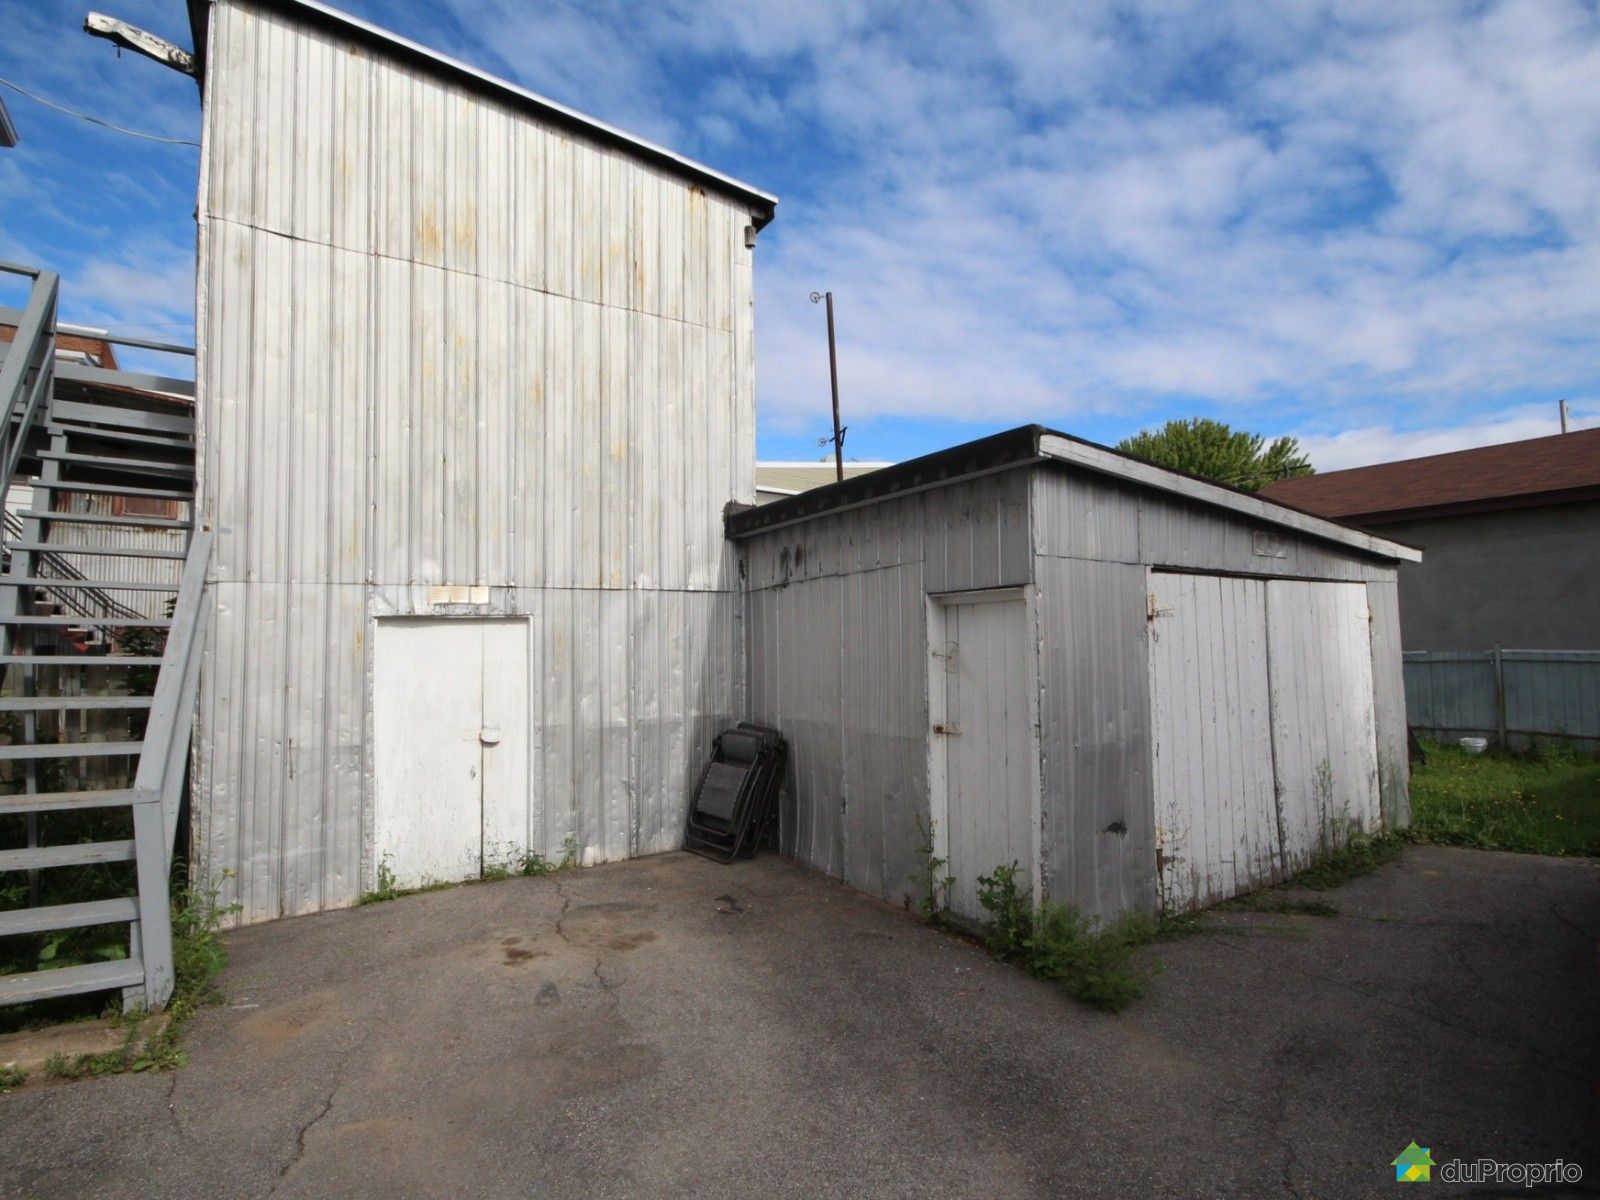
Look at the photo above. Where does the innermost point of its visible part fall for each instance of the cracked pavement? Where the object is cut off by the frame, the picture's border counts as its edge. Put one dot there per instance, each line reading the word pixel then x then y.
pixel 672 1027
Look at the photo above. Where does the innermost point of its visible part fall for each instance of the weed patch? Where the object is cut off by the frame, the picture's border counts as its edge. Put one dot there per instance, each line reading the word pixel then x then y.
pixel 11 1077
pixel 1093 963
pixel 1546 801
pixel 527 865
pixel 1360 855
pixel 931 880
pixel 1276 900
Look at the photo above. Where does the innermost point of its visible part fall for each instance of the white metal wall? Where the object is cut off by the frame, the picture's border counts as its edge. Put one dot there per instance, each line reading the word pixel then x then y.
pixel 838 636
pixel 444 345
pixel 1264 738
pixel 838 650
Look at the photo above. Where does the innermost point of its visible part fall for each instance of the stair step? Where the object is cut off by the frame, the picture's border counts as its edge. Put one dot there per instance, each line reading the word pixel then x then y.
pixel 98 585
pixel 104 551
pixel 112 489
pixel 79 660
pixel 70 703
pixel 99 519
pixel 121 418
pixel 103 462
pixel 73 429
pixel 63 801
pixel 68 916
pixel 70 981
pixel 81 855
pixel 70 750
pixel 75 622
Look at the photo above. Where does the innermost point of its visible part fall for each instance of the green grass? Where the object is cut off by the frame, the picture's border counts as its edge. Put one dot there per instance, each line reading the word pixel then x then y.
pixel 1543 802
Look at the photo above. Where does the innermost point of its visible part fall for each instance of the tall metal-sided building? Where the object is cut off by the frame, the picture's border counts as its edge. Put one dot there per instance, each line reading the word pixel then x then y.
pixel 1147 691
pixel 475 387
pixel 475 383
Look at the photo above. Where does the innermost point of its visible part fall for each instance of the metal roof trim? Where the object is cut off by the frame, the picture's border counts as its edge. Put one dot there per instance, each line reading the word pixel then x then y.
pixel 1065 449
pixel 1031 445
pixel 762 205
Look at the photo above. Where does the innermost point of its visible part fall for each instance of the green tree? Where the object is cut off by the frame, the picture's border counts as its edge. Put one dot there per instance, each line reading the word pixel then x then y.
pixel 1213 451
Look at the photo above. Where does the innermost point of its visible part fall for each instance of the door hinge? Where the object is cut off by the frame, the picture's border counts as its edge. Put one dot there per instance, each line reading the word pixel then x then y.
pixel 947 730
pixel 1153 607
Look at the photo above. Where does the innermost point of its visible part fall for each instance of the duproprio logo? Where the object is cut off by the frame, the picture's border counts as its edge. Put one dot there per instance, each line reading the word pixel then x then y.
pixel 1413 1165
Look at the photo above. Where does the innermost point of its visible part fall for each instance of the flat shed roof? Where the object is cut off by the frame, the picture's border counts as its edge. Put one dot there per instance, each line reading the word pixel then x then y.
pixel 1034 445
pixel 762 205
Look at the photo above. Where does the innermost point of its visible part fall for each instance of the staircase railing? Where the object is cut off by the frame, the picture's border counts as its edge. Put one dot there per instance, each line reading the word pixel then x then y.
pixel 28 371
pixel 159 782
pixel 82 602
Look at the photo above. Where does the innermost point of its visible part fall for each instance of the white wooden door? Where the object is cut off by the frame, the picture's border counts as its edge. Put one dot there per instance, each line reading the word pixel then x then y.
pixel 1324 724
pixel 989 748
pixel 450 746
pixel 1216 814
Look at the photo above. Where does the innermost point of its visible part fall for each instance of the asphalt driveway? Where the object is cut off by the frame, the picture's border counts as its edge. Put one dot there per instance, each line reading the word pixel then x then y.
pixel 668 1027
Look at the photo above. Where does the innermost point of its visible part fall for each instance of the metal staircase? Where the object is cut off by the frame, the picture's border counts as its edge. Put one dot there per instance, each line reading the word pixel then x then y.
pixel 100 636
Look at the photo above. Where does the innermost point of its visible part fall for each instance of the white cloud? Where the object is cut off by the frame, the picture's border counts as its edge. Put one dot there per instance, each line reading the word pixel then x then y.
pixel 1349 218
pixel 1383 443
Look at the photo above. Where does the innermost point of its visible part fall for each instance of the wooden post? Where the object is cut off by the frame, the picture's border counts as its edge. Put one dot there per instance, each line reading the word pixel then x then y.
pixel 1500 696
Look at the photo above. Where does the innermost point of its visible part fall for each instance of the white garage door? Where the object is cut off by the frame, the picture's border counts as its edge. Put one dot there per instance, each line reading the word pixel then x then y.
pixel 1264 732
pixel 450 719
pixel 1324 728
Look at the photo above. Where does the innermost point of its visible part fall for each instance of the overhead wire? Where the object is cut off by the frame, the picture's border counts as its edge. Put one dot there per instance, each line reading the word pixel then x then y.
pixel 93 120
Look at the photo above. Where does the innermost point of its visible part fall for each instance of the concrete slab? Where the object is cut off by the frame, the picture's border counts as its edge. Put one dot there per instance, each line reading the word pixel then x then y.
pixel 31 1050
pixel 671 1027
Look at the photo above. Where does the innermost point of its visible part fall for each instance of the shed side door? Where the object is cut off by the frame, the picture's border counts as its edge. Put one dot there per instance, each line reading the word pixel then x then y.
pixel 1216 814
pixel 1324 727
pixel 991 758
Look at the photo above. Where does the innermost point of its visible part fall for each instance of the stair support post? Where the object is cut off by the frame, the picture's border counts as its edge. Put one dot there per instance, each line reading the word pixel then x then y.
pixel 154 926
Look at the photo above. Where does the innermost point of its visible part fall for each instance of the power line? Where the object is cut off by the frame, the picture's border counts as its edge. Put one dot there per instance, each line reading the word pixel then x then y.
pixel 149 137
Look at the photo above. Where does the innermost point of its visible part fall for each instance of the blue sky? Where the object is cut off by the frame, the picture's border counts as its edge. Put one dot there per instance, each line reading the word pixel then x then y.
pixel 1372 225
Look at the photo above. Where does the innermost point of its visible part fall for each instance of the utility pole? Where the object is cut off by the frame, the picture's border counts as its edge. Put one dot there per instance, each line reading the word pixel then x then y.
pixel 833 377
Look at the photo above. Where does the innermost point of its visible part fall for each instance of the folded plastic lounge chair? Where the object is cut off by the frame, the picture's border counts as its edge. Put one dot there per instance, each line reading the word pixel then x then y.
pixel 737 799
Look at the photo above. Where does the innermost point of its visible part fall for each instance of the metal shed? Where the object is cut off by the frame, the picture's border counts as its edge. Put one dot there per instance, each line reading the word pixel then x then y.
pixel 1150 691
pixel 475 382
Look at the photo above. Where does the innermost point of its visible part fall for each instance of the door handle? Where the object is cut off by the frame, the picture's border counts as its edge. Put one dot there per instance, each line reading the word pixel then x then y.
pixel 489 735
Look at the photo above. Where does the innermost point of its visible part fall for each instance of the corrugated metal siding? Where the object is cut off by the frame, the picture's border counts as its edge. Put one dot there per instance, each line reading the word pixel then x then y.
pixel 443 344
pixel 1084 515
pixel 115 568
pixel 1389 703
pixel 838 639
pixel 838 654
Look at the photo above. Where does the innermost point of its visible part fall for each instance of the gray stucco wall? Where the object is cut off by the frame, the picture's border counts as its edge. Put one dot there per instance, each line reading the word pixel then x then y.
pixel 1525 578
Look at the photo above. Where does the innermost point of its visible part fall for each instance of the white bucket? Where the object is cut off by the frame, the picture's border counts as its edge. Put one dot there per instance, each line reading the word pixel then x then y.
pixel 1474 745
